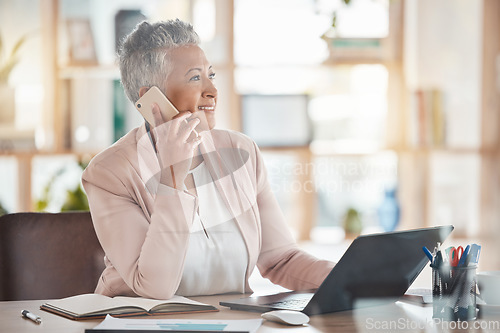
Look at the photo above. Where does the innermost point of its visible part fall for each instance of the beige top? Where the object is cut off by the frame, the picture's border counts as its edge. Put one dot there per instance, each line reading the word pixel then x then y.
pixel 144 230
pixel 216 257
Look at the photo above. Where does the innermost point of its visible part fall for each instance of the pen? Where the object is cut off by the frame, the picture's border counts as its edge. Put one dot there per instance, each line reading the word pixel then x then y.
pixel 428 254
pixel 31 316
pixel 463 258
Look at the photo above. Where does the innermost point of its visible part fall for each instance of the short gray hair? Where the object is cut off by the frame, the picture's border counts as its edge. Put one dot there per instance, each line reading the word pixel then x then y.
pixel 142 54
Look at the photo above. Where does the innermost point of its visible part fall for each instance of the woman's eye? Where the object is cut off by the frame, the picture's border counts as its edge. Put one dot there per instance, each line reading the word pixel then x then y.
pixel 212 76
pixel 195 78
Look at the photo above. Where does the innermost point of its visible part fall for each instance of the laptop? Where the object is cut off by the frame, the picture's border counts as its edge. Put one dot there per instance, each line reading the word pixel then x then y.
pixel 375 269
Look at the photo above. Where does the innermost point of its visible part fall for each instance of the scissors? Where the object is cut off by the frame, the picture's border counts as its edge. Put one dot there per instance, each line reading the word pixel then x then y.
pixel 454 255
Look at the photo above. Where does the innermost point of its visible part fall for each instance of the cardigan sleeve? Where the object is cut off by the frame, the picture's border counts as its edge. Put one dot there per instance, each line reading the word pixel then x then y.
pixel 147 251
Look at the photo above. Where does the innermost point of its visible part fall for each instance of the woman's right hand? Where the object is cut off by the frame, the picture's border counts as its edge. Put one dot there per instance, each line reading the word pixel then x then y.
pixel 175 142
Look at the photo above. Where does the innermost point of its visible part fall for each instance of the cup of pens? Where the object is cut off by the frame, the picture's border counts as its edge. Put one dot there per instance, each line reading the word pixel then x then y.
pixel 454 283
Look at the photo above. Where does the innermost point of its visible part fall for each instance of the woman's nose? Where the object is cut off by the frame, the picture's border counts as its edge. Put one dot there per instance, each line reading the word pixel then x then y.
pixel 209 91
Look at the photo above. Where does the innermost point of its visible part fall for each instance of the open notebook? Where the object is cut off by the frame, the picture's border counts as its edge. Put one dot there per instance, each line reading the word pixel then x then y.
pixel 92 306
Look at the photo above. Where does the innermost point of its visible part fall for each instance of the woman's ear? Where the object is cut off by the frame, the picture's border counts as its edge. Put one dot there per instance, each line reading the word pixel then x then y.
pixel 143 90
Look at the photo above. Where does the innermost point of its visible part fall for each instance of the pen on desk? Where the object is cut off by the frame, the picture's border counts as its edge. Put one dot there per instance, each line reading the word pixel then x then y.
pixel 31 316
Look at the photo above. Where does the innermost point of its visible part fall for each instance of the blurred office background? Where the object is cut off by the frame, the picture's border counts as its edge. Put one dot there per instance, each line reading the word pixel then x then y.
pixel 387 120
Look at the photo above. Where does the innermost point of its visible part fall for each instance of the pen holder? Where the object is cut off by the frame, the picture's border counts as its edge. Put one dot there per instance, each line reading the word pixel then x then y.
pixel 454 293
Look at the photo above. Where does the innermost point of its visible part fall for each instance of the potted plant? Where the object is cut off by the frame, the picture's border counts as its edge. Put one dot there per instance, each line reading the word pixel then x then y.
pixel 352 223
pixel 8 60
pixel 75 200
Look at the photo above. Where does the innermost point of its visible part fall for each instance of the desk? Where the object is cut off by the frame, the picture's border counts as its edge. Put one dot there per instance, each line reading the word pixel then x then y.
pixel 402 316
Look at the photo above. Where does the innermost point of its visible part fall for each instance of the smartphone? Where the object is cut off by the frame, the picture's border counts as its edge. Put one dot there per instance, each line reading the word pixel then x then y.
pixel 145 105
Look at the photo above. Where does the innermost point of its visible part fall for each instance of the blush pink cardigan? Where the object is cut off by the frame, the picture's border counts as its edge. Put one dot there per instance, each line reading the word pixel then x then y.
pixel 144 226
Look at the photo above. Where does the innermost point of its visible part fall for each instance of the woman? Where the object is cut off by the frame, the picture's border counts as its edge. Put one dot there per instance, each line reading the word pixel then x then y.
pixel 178 206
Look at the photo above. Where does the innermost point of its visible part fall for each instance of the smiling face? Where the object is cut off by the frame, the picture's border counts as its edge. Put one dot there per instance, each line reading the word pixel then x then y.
pixel 190 84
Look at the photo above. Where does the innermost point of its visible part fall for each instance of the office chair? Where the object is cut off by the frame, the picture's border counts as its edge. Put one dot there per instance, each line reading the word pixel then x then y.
pixel 46 256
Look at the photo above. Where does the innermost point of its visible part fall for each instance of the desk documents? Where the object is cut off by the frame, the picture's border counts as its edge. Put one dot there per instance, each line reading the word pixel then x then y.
pixel 111 324
pixel 92 306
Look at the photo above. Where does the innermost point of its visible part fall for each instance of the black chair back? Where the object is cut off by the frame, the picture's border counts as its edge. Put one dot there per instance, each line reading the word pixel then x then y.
pixel 47 256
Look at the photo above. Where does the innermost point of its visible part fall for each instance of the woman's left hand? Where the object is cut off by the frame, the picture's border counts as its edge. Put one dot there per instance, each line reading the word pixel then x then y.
pixel 175 142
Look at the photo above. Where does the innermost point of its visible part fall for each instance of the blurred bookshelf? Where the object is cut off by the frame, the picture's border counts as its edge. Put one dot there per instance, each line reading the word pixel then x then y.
pixel 352 83
pixel 429 131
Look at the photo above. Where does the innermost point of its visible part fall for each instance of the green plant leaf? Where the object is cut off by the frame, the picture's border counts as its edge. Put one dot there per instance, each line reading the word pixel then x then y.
pixel 3 211
pixel 18 45
pixel 76 200
pixel 41 205
pixel 6 69
pixel 7 64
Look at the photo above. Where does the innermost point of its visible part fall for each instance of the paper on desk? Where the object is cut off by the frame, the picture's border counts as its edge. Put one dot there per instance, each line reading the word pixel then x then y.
pixel 247 325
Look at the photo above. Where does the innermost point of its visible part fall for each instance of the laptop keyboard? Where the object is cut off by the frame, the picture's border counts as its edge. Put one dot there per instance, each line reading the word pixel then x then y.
pixel 293 304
